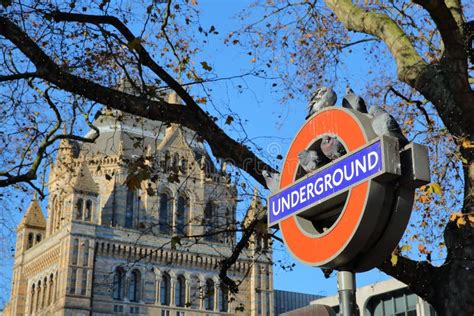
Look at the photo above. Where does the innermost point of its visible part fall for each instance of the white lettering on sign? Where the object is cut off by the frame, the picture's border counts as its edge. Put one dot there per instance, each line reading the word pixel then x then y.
pixel 330 182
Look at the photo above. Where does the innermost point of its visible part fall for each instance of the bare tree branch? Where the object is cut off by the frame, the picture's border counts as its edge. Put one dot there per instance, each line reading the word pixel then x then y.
pixel 191 116
pixel 418 104
pixel 450 31
pixel 408 271
pixel 228 262
pixel 31 174
pixel 453 97
pixel 25 75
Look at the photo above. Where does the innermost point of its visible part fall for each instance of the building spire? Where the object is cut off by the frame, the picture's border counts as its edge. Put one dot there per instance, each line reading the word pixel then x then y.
pixel 34 215
pixel 83 180
pixel 256 200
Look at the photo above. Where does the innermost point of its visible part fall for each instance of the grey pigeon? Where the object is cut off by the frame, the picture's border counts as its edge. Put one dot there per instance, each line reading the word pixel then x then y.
pixel 385 124
pixel 353 101
pixel 309 160
pixel 321 98
pixel 272 180
pixel 332 148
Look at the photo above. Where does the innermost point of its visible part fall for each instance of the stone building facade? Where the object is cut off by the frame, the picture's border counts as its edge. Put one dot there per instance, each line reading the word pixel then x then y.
pixel 137 224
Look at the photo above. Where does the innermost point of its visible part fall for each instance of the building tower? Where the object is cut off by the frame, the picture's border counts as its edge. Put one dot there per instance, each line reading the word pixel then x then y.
pixel 30 232
pixel 136 225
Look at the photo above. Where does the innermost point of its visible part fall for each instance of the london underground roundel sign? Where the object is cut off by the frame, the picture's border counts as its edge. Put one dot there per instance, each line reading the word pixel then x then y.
pixel 351 212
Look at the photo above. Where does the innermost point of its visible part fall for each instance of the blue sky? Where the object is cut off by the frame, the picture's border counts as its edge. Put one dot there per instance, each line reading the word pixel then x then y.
pixel 267 116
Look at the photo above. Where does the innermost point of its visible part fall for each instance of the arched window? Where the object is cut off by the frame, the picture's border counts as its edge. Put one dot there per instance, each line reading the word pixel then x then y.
pixel 164 215
pixel 75 251
pixel 38 297
pixel 183 166
pixel 50 289
pixel 45 292
pixel 72 287
pixel 209 221
pixel 85 261
pixel 88 212
pixel 32 298
pixel 165 290
pixel 180 290
pixel 84 282
pixel 31 238
pixel 268 277
pixel 129 209
pixel 55 215
pixel 223 298
pixel 209 296
pixel 175 162
pixel 134 286
pixel 119 282
pixel 165 163
pixel 79 208
pixel 182 216
pixel 269 304
pixel 195 295
pixel 38 238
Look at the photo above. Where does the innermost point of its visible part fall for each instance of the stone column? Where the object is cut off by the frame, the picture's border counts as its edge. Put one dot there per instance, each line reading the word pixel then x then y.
pixel 53 289
pixel 126 284
pixel 39 296
pixel 187 289
pixel 157 286
pixel 202 291
pixel 173 216
pixel 172 289
pixel 56 286
pixel 216 294
pixel 31 301
pixel 141 289
pixel 47 289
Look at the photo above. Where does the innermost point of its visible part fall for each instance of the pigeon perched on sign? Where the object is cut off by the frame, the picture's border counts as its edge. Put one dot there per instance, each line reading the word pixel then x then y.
pixel 385 124
pixel 353 101
pixel 321 98
pixel 332 148
pixel 309 160
pixel 272 180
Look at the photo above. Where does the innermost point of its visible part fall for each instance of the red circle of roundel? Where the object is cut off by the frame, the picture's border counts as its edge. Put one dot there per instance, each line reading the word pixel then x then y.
pixel 320 249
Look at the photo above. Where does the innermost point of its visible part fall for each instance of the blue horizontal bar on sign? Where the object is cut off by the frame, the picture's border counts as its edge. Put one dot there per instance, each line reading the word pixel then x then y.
pixel 328 182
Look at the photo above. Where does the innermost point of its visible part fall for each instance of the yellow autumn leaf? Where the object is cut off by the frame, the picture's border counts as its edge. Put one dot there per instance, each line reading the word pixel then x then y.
pixel 454 216
pixel 424 198
pixel 394 259
pixel 434 188
pixel 461 221
pixel 466 143
pixel 470 218
pixel 405 248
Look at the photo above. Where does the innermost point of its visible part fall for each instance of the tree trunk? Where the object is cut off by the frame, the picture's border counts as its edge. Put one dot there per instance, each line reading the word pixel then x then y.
pixel 454 280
